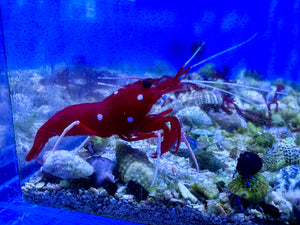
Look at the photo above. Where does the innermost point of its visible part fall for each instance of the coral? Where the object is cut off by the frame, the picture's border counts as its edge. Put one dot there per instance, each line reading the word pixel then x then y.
pixel 284 154
pixel 66 165
pixel 287 179
pixel 257 191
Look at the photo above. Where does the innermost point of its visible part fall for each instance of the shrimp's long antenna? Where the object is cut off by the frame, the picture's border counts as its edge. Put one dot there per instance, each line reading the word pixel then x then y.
pixel 222 52
pixel 203 82
pixel 230 93
pixel 180 72
pixel 109 85
pixel 115 78
pixel 183 71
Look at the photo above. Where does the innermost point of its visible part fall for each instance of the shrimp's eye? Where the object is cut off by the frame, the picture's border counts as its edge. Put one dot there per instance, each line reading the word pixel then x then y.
pixel 146 84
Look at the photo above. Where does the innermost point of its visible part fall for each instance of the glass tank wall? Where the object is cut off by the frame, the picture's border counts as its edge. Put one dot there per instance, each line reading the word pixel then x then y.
pixel 9 180
pixel 98 117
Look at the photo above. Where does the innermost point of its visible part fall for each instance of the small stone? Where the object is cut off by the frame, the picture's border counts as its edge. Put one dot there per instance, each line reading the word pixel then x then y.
pixel 228 122
pixel 66 165
pixel 167 195
pixel 201 132
pixel 257 213
pixel 194 116
pixel 207 160
pixel 40 185
pixel 186 194
pixel 206 188
pixel 65 183
pixel 211 207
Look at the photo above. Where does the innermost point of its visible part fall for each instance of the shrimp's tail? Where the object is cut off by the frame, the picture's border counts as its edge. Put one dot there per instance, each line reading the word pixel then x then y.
pixel 39 142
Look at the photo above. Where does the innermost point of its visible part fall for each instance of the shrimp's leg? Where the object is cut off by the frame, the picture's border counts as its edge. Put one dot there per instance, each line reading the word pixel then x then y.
pixel 158 157
pixel 82 144
pixel 66 130
pixel 190 151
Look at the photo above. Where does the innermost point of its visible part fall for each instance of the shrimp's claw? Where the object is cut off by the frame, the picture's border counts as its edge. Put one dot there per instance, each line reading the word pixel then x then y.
pixel 170 134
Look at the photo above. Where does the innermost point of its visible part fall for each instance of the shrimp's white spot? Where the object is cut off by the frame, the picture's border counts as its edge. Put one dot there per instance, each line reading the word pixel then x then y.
pixel 99 117
pixel 140 97
pixel 116 92
pixel 130 119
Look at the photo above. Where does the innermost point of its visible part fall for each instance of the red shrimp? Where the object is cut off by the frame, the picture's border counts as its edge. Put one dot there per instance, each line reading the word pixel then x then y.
pixel 124 113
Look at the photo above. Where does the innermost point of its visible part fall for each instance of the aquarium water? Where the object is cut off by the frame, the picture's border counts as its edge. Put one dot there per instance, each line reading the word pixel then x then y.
pixel 149 112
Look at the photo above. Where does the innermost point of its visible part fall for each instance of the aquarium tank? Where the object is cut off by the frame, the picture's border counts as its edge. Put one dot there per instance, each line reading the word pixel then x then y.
pixel 149 112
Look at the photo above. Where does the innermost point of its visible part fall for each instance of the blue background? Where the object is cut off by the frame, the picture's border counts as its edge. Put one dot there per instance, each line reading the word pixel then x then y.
pixel 135 36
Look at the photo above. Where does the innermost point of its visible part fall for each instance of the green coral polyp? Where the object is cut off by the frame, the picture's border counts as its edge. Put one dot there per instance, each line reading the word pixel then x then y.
pixel 257 191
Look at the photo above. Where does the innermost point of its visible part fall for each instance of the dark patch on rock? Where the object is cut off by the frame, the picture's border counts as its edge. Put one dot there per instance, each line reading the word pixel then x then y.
pixel 137 190
pixel 104 173
pixel 207 160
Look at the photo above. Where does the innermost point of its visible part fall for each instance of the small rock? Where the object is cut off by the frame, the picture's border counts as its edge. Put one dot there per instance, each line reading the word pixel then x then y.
pixel 103 168
pixel 167 195
pixel 201 132
pixel 40 185
pixel 66 165
pixel 186 194
pixel 207 160
pixel 228 122
pixel 194 116
pixel 65 183
pixel 206 188
pixel 137 190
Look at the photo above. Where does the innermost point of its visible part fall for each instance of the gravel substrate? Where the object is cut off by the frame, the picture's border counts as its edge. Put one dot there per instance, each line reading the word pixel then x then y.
pixel 151 213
